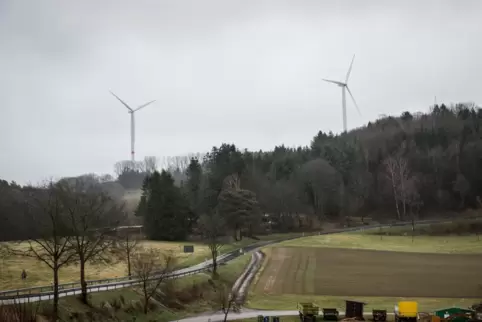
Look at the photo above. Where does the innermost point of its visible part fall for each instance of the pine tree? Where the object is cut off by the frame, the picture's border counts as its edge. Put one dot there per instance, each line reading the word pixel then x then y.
pixel 164 208
pixel 193 189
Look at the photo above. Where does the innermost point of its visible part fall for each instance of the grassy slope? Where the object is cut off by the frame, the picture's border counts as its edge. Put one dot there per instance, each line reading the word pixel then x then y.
pixel 423 244
pixel 228 273
pixel 40 274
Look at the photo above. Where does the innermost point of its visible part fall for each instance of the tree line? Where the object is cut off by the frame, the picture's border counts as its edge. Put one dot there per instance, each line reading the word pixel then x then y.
pixel 396 168
pixel 393 169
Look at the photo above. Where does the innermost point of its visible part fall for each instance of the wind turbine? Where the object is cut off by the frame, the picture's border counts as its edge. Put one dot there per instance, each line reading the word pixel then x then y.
pixel 131 111
pixel 344 86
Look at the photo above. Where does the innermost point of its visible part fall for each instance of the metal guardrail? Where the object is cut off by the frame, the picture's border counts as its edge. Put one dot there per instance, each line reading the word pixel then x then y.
pixel 46 292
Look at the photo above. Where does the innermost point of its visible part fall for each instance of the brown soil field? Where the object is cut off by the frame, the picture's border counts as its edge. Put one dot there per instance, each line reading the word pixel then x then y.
pixel 349 272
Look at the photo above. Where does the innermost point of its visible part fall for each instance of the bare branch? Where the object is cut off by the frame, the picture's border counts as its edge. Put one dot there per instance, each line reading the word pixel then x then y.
pixel 49 237
pixel 213 228
pixel 92 215
pixel 152 267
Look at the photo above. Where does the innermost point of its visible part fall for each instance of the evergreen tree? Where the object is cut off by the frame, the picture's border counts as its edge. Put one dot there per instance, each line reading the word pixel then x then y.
pixel 193 189
pixel 163 208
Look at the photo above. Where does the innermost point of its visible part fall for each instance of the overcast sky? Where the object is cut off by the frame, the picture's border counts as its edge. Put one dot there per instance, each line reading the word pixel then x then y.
pixel 246 72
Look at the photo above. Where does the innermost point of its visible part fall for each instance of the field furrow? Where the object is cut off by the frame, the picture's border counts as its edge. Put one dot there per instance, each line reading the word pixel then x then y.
pixel 348 272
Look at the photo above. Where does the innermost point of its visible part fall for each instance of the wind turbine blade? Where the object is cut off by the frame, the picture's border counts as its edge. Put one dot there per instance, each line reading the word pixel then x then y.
pixel 144 105
pixel 334 82
pixel 124 103
pixel 353 99
pixel 349 70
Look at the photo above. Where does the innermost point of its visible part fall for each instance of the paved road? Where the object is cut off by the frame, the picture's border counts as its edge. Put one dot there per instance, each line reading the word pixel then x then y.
pixel 247 314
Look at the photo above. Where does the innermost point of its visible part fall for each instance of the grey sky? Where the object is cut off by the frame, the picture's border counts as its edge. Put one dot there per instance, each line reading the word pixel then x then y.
pixel 246 71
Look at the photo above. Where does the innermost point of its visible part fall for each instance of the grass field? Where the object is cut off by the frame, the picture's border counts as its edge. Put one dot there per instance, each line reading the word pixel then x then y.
pixel 39 274
pixel 422 244
pixel 346 272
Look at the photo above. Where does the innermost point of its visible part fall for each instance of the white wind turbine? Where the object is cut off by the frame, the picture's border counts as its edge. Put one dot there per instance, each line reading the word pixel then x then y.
pixel 344 86
pixel 131 111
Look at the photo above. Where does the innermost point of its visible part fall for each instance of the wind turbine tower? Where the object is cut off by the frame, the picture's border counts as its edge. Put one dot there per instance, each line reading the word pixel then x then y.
pixel 131 111
pixel 344 88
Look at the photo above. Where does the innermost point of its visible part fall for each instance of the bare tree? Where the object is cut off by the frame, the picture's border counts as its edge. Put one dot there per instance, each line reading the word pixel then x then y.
pixel 106 178
pixel 127 247
pixel 123 166
pixel 404 188
pixel 462 187
pixel 213 227
pixel 180 162
pixel 49 239
pixel 152 267
pixel 227 299
pixel 150 164
pixel 92 215
pixel 392 174
pixel 398 173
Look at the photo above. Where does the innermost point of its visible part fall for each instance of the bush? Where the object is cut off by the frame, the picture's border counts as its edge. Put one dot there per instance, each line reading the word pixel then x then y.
pixel 18 312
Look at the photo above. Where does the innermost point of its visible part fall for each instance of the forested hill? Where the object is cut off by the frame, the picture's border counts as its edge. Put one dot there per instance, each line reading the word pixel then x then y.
pixel 420 163
pixel 394 167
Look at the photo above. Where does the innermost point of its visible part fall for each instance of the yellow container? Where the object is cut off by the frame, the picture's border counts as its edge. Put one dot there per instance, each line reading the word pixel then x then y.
pixel 408 309
pixel 308 308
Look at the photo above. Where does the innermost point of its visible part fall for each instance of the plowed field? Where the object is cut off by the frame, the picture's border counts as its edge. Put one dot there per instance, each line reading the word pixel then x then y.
pixel 348 272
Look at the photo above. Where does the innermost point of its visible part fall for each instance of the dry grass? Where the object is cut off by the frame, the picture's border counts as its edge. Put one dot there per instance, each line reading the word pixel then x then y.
pixel 39 274
pixel 345 272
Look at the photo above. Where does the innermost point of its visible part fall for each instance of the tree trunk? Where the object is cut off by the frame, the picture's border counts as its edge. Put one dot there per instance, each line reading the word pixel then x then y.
pixel 214 255
pixel 395 195
pixel 396 206
pixel 129 264
pixel 235 234
pixel 413 228
pixel 226 311
pixel 146 304
pixel 300 221
pixel 55 312
pixel 83 283
pixel 146 296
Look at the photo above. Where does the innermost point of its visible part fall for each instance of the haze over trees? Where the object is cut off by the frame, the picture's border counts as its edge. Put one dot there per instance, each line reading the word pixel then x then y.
pixel 392 168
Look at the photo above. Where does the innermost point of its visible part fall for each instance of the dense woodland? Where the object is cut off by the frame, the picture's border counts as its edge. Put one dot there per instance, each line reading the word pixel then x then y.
pixel 395 168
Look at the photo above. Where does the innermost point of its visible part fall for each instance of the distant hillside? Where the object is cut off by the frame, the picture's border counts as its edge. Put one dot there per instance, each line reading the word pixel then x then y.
pixel 131 199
